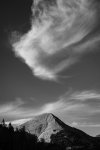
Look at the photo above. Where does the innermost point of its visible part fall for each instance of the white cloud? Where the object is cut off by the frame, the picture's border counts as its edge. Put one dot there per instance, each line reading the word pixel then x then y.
pixel 76 107
pixel 85 95
pixel 84 124
pixel 74 124
pixel 87 101
pixel 18 122
pixel 53 107
pixel 52 44
pixel 17 109
pixel 5 108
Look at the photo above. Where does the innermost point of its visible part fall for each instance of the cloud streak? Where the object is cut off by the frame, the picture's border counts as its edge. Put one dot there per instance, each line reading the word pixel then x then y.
pixel 76 124
pixel 59 35
pixel 76 106
pixel 5 108
pixel 85 95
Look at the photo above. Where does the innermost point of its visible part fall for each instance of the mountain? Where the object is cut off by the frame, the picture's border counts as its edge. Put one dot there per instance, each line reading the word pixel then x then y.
pixel 43 126
pixel 52 129
pixel 58 135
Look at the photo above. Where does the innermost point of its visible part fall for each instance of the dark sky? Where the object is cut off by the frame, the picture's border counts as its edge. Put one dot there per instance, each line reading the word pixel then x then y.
pixel 74 96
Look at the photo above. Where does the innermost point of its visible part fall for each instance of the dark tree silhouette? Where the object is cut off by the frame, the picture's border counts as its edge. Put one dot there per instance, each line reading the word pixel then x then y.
pixel 11 127
pixel 20 139
pixel 3 122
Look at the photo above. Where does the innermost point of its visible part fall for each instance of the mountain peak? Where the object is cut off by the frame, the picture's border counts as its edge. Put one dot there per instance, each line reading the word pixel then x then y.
pixel 43 126
pixel 46 116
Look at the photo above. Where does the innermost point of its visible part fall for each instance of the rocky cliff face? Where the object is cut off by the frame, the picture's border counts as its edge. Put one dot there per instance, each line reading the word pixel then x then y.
pixel 43 126
pixel 46 125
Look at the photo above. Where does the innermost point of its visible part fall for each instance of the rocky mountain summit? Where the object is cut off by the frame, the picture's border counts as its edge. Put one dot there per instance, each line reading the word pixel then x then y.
pixel 44 126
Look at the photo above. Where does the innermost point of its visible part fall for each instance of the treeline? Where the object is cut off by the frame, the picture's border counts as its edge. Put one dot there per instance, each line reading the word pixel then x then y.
pixel 19 139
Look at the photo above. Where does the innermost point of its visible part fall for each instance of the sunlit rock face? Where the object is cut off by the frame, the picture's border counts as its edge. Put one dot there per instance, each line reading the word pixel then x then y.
pixel 46 125
pixel 43 126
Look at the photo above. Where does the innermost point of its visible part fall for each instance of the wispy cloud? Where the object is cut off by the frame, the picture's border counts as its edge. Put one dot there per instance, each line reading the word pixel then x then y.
pixel 79 109
pixel 17 109
pixel 75 106
pixel 57 37
pixel 84 108
pixel 19 121
pixel 77 124
pixel 23 109
pixel 10 106
pixel 85 95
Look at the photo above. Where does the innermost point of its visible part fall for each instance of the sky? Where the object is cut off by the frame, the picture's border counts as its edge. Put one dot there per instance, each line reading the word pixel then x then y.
pixel 50 61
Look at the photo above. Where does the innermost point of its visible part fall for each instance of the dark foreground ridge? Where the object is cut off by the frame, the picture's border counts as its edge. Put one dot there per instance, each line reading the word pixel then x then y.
pixel 45 132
